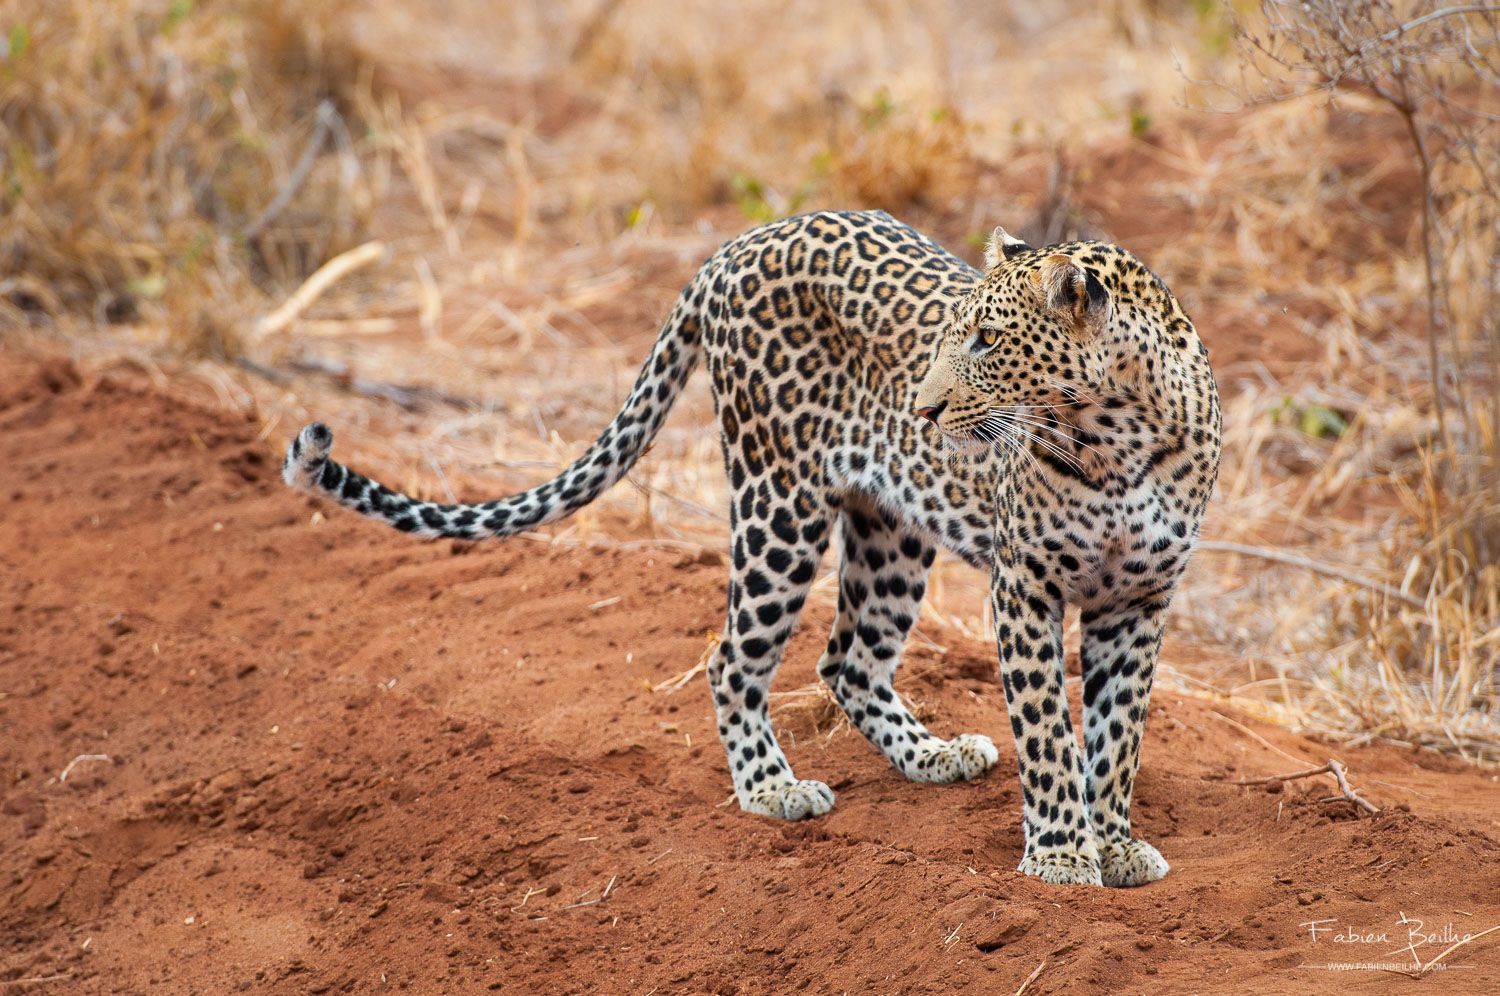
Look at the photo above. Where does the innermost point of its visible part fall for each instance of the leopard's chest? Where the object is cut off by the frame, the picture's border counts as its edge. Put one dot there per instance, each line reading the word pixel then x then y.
pixel 1096 550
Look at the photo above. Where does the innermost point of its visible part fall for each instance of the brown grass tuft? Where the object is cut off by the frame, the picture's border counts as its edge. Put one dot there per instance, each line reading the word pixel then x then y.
pixel 144 143
pixel 1422 409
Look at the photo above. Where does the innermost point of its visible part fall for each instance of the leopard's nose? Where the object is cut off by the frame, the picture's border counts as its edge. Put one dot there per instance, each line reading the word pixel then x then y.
pixel 931 412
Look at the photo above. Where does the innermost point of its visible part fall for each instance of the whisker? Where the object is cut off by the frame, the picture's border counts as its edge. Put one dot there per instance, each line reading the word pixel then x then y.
pixel 1060 433
pixel 1033 417
pixel 1050 425
pixel 1019 446
pixel 1071 392
pixel 1070 404
pixel 1057 451
pixel 1021 437
pixel 1047 445
pixel 1039 420
pixel 995 431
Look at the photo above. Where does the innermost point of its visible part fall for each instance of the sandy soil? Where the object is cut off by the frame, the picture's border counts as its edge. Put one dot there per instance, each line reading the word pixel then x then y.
pixel 343 761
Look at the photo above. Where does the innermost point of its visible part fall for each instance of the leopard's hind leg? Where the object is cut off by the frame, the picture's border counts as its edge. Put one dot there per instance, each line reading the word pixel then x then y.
pixel 774 560
pixel 882 578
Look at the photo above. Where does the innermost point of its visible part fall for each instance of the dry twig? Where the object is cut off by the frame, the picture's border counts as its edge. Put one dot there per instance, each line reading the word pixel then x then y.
pixel 83 757
pixel 1316 566
pixel 326 117
pixel 1035 972
pixel 322 278
pixel 38 979
pixel 1333 768
pixel 412 397
pixel 1429 965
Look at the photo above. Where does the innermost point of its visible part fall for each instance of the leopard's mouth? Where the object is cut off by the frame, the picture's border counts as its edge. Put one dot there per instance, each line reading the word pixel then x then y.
pixel 963 440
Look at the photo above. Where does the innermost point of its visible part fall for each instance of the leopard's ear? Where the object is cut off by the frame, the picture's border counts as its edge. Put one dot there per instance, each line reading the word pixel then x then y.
pixel 1075 292
pixel 1002 245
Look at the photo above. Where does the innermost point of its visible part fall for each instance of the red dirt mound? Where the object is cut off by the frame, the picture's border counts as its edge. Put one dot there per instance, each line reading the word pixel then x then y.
pixel 339 760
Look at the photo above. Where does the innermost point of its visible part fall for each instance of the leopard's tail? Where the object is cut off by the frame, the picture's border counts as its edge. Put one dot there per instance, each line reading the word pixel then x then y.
pixel 608 459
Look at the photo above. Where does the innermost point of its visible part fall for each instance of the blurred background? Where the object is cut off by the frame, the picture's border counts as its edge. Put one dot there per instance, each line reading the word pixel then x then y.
pixel 451 228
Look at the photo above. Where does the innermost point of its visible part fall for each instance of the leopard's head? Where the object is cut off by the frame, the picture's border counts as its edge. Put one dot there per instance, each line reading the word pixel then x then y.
pixel 1025 343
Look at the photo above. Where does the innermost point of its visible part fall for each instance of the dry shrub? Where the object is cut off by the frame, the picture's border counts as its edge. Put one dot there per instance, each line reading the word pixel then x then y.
pixel 1421 665
pixel 144 143
pixel 810 712
pixel 786 107
pixel 616 115
pixel 894 156
pixel 778 128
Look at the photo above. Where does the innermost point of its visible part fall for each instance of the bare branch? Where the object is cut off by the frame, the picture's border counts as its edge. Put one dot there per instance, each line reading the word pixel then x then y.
pixel 1417 22
pixel 1316 566
pixel 1334 768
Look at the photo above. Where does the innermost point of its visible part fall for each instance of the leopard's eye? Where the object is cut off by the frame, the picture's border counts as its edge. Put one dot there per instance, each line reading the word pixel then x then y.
pixel 985 338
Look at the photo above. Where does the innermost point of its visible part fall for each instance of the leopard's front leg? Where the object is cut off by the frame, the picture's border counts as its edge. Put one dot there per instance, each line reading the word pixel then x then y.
pixel 1119 651
pixel 1060 845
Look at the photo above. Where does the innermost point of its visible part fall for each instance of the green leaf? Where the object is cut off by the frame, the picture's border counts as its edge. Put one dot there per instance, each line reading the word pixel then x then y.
pixel 1322 423
pixel 751 195
pixel 177 12
pixel 196 249
pixel 881 107
pixel 20 37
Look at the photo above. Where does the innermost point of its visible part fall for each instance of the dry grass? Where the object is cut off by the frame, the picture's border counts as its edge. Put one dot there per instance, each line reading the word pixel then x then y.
pixel 539 218
pixel 144 143
pixel 1407 485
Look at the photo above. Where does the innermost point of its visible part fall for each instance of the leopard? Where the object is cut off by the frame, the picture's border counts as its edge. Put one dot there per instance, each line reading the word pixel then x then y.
pixel 1051 419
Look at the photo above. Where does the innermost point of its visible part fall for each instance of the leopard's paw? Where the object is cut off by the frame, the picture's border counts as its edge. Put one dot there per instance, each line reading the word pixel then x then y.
pixel 1123 863
pixel 306 456
pixel 964 758
pixel 1062 868
pixel 790 801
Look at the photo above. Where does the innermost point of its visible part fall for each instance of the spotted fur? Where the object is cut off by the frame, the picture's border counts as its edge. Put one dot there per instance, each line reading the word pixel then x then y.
pixel 1070 442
